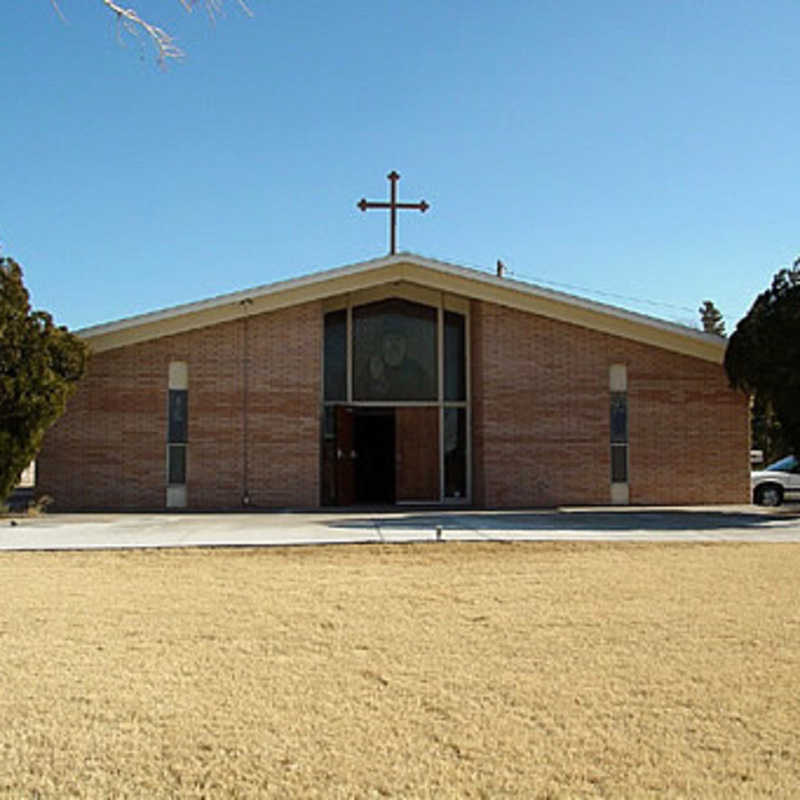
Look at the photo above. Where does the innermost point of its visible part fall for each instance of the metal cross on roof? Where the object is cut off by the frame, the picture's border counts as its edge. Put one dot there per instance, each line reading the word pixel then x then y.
pixel 392 205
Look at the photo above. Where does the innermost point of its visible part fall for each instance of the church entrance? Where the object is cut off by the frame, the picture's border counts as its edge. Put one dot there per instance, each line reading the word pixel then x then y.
pixel 379 455
pixel 374 462
pixel 395 399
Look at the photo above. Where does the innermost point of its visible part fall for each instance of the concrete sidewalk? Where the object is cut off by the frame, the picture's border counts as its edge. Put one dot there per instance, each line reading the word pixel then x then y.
pixel 689 524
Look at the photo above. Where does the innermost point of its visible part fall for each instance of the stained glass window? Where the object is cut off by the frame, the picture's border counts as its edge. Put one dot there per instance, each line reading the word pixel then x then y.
pixel 335 356
pixel 394 352
pixel 619 437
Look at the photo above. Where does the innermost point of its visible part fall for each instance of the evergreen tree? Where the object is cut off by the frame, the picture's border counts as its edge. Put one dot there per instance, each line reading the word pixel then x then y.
pixel 766 432
pixel 763 356
pixel 40 364
pixel 711 318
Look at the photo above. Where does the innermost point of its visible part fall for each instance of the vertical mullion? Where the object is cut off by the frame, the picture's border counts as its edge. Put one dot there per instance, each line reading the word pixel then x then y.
pixel 349 352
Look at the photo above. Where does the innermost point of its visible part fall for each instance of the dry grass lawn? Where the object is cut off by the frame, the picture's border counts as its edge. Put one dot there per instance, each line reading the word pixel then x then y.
pixel 440 670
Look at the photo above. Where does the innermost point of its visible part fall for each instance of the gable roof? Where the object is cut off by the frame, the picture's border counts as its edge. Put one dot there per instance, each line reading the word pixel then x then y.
pixel 414 269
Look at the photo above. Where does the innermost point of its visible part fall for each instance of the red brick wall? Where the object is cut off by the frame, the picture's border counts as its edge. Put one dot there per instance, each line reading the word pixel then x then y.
pixel 540 419
pixel 540 410
pixel 109 449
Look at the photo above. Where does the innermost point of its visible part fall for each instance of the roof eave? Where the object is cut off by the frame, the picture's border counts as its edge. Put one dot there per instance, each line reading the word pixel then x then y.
pixel 442 276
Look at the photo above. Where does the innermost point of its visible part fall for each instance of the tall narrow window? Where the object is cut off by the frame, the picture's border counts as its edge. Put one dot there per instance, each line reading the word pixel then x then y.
pixel 455 453
pixel 618 426
pixel 177 433
pixel 335 356
pixel 619 437
pixel 455 385
pixel 178 428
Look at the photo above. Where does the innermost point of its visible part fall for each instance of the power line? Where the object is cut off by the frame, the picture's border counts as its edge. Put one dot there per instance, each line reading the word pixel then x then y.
pixel 572 287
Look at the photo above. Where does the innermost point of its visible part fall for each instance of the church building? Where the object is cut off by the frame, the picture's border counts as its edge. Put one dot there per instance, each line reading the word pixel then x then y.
pixel 397 381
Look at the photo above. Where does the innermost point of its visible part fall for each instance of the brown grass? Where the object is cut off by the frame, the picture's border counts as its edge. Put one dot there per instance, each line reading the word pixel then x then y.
pixel 538 670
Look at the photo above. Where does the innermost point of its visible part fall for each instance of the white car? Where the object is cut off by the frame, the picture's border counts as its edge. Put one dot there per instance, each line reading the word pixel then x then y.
pixel 777 482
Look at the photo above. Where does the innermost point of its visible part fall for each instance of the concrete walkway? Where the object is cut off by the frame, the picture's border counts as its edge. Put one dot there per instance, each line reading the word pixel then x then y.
pixel 689 524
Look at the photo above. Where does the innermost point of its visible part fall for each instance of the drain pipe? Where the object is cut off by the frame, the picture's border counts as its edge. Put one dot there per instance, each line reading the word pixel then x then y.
pixel 245 304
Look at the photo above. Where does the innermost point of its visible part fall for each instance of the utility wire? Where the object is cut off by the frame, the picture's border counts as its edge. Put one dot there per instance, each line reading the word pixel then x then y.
pixel 571 287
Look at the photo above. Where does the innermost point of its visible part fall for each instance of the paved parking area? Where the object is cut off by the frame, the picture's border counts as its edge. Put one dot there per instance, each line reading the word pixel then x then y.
pixel 685 524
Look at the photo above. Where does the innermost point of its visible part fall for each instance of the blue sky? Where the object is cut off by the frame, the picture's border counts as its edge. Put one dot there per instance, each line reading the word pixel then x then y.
pixel 646 150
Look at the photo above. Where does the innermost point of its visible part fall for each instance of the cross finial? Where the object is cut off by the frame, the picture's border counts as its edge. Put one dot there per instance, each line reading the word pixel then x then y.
pixel 392 205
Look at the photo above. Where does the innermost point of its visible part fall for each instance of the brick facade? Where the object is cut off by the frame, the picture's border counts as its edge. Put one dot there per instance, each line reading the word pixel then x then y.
pixel 109 450
pixel 540 417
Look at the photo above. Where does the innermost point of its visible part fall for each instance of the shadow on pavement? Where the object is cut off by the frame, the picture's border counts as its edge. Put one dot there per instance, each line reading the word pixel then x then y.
pixel 568 520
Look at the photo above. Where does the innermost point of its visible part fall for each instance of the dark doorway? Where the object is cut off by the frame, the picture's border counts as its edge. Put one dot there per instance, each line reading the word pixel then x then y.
pixel 373 442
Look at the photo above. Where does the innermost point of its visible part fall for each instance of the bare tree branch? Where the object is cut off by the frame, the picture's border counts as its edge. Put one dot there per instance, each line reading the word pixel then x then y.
pixel 132 23
pixel 58 10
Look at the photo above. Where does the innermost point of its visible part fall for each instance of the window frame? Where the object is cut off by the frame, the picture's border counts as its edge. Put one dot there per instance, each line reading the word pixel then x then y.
pixel 619 435
pixel 442 302
pixel 177 435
